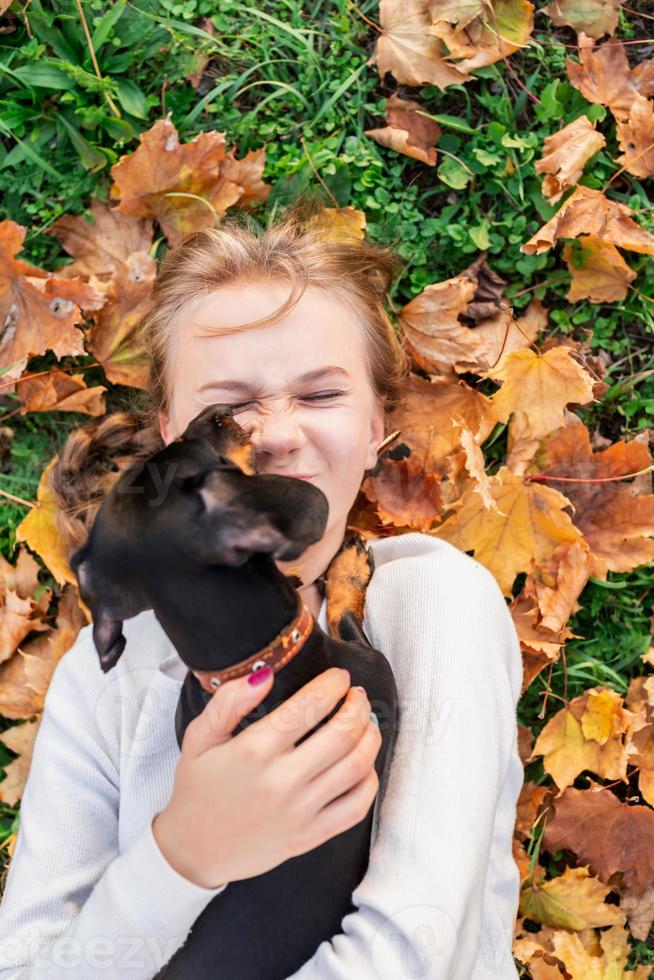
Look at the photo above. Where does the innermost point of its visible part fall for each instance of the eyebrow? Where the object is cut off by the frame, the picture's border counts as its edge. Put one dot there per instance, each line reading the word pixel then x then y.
pixel 231 385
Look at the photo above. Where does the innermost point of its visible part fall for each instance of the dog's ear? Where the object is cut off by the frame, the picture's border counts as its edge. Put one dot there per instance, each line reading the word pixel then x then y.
pixel 275 515
pixel 108 611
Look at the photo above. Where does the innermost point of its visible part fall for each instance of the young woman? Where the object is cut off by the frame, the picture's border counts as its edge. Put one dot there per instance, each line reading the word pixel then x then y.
pixel 117 852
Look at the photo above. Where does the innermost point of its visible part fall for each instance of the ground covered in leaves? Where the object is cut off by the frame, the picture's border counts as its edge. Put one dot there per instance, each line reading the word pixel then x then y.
pixel 506 150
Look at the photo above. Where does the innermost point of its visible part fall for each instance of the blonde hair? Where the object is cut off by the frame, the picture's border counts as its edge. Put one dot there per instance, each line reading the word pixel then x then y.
pixel 294 249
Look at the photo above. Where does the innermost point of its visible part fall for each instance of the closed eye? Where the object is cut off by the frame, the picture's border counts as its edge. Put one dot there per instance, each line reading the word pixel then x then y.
pixel 307 398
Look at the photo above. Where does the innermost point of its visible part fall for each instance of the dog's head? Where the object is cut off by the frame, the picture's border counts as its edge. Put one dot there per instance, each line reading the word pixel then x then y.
pixel 197 502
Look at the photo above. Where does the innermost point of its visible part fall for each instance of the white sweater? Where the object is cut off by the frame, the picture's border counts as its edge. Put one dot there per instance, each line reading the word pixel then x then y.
pixel 89 894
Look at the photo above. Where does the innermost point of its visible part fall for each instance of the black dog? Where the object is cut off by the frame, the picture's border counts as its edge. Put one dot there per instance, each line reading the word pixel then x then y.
pixel 203 559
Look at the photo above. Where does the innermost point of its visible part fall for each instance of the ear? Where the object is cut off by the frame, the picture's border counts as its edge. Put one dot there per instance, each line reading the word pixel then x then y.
pixel 275 515
pixel 108 611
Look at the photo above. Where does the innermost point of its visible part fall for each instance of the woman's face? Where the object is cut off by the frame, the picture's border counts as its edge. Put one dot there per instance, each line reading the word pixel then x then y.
pixel 333 438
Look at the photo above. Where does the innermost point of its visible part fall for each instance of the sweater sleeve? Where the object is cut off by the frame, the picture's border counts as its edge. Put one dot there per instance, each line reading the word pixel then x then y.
pixel 440 895
pixel 73 906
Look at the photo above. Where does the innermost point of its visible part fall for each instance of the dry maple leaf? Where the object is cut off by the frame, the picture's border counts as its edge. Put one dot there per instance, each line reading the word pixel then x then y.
pixel 592 17
pixel 529 523
pixel 636 138
pixel 20 739
pixel 25 677
pixel 186 187
pixel 408 50
pixel 115 339
pixel 580 964
pixel 339 224
pixel 405 495
pixel 611 837
pixel 573 900
pixel 599 273
pixel 528 807
pixel 503 27
pixel 407 131
pixel 565 154
pixel 113 253
pixel 640 698
pixel 589 212
pixel 429 419
pixel 39 312
pixel 615 518
pixel 603 75
pixel 40 531
pixel 61 392
pixel 539 386
pixel 113 244
pixel 20 611
pixel 442 345
pixel 567 751
pixel 541 647
pixel 556 584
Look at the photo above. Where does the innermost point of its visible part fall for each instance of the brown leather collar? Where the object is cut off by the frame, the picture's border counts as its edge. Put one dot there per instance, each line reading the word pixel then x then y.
pixel 277 653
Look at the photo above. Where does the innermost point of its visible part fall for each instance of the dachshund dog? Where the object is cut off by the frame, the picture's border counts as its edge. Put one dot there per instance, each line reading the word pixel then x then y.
pixel 201 556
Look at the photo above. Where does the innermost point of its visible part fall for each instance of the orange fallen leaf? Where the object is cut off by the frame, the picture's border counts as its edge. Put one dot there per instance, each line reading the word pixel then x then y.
pixel 186 187
pixel 599 273
pixel 565 153
pixel 589 212
pixel 408 132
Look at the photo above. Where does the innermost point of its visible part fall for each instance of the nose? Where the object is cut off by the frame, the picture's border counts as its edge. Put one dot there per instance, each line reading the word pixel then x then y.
pixel 276 433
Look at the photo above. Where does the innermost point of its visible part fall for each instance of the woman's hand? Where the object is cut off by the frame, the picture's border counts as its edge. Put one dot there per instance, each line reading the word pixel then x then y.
pixel 244 804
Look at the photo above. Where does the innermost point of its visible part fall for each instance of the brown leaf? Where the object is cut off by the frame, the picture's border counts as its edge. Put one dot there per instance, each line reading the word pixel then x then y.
pixel 599 273
pixel 427 420
pixel 408 50
pixel 592 17
pixel 603 75
pixel 39 312
pixel 589 212
pixel 20 739
pixel 539 386
pixel 115 338
pixel 556 584
pixel 25 677
pixel 565 153
pixel 442 345
pixel 573 900
pixel 636 138
pixel 487 299
pixel 528 524
pixel 408 132
pixel 61 392
pixel 615 518
pixel 404 494
pixel 609 836
pixel 339 224
pixel 505 26
pixel 110 246
pixel 185 187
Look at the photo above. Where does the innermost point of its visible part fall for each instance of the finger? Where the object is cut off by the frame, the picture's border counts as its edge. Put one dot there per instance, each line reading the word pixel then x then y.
pixel 335 739
pixel 227 707
pixel 346 811
pixel 280 729
pixel 347 773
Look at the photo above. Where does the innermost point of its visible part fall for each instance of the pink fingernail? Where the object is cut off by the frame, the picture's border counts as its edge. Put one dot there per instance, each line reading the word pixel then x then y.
pixel 258 676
